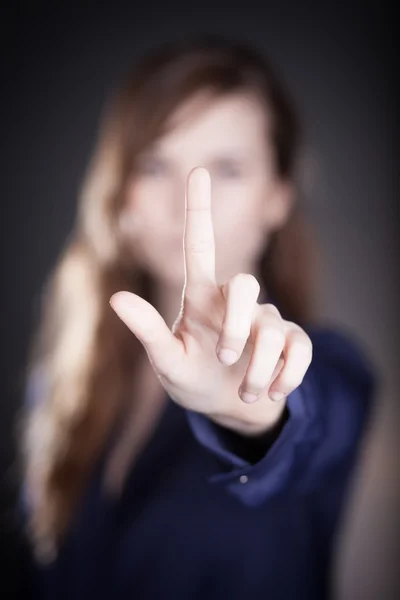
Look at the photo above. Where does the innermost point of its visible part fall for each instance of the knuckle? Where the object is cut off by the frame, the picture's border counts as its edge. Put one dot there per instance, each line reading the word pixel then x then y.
pixel 200 246
pixel 254 384
pixel 303 348
pixel 269 314
pixel 292 325
pixel 247 281
pixel 271 308
pixel 290 381
pixel 273 334
pixel 293 375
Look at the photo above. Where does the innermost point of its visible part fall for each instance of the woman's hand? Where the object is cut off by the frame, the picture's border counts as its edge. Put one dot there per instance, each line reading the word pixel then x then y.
pixel 227 356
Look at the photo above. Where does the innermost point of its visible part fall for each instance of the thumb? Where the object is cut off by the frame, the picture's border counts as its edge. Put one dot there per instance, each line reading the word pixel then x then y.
pixel 164 350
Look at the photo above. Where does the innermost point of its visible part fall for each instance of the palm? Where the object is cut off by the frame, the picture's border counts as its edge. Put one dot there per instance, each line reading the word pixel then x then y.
pixel 212 317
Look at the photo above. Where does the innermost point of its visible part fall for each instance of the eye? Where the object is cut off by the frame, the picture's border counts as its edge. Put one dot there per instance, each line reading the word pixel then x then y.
pixel 227 168
pixel 151 165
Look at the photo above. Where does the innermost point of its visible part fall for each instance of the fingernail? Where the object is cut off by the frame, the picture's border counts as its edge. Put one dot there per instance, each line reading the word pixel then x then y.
pixel 276 396
pixel 247 397
pixel 228 357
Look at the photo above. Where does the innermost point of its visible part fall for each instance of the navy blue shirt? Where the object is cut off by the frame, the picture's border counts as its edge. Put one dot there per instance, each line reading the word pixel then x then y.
pixel 208 514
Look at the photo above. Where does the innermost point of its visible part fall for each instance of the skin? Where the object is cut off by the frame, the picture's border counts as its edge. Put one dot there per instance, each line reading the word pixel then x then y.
pixel 212 346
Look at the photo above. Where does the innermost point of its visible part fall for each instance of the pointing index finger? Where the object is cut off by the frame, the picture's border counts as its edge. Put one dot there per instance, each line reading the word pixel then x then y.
pixel 199 243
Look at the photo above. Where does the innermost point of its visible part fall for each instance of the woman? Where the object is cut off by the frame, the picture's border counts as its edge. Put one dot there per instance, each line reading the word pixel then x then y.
pixel 200 445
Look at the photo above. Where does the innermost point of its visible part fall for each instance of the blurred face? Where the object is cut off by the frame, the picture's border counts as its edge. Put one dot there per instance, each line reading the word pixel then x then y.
pixel 228 136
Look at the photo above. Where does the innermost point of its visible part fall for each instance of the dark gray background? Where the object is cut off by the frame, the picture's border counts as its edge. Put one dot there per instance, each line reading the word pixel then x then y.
pixel 339 60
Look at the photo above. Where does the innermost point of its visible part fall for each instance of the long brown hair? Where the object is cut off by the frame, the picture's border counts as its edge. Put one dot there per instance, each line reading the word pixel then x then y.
pixel 86 356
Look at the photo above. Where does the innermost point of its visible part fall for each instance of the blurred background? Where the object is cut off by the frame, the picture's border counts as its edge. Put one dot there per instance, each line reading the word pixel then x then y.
pixel 60 63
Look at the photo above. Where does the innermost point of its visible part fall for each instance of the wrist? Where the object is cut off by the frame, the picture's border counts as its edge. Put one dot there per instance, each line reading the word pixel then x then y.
pixel 249 427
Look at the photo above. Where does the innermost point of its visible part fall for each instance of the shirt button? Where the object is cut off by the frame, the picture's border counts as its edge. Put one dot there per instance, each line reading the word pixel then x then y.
pixel 243 479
